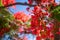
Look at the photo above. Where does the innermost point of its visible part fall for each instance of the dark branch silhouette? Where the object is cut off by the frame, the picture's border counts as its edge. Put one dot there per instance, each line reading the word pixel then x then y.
pixel 18 3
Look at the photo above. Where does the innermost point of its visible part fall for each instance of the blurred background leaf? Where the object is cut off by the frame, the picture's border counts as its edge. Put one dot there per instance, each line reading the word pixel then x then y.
pixel 56 13
pixel 1 3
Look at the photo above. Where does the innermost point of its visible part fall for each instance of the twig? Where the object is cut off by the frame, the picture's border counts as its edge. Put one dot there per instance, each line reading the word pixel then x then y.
pixel 18 3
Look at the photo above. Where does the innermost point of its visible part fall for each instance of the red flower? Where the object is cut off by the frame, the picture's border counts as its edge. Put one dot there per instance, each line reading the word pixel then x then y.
pixel 52 1
pixel 55 4
pixel 34 21
pixel 38 38
pixel 43 1
pixel 21 16
pixel 43 36
pixel 1 33
pixel 30 1
pixel 40 27
pixel 3 30
pixel 52 36
pixel 36 31
pixel 36 10
pixel 58 33
pixel 6 2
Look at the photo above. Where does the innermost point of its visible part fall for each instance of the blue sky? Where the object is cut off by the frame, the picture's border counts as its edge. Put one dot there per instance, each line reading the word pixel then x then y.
pixel 22 8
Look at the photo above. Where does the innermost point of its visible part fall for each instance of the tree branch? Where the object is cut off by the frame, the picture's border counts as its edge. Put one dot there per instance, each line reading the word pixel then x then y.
pixel 18 3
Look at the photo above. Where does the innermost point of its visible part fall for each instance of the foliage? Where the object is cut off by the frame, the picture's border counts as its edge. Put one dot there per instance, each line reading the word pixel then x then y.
pixel 56 13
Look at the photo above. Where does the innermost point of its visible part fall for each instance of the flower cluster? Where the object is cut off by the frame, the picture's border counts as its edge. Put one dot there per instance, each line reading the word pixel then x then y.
pixel 40 25
pixel 21 16
pixel 22 21
pixel 43 2
pixel 6 2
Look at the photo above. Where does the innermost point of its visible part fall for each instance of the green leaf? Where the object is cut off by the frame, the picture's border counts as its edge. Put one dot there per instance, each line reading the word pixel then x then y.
pixel 5 16
pixel 28 24
pixel 57 17
pixel 3 21
pixel 1 3
pixel 56 13
pixel 5 12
